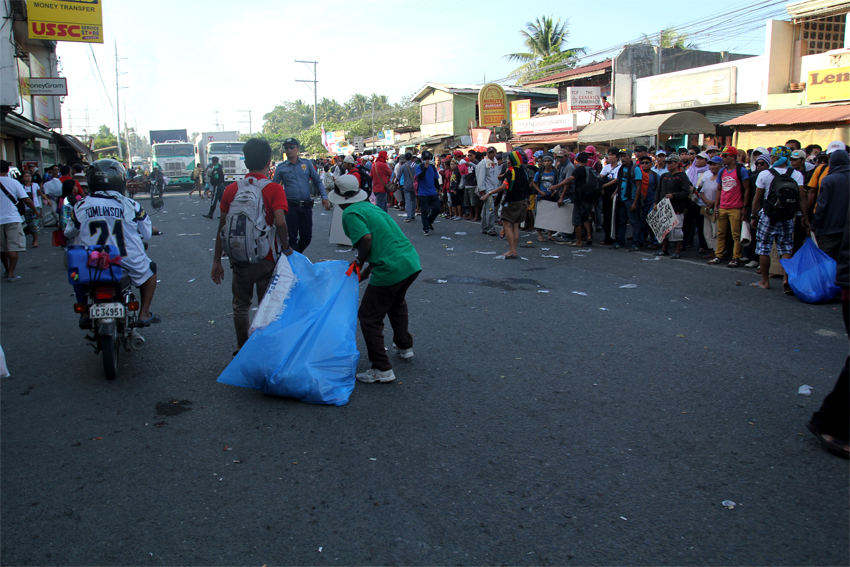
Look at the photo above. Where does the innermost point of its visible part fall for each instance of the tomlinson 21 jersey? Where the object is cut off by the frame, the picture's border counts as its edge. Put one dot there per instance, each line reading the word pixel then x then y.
pixel 108 217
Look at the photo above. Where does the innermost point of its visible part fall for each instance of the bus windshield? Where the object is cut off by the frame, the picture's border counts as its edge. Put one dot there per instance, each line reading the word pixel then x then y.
pixel 225 147
pixel 165 150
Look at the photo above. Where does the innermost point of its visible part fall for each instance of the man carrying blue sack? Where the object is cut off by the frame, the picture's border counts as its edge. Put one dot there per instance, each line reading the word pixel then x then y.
pixel 393 264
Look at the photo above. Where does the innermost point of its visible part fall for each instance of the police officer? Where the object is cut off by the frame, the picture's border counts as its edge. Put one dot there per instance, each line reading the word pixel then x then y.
pixel 295 175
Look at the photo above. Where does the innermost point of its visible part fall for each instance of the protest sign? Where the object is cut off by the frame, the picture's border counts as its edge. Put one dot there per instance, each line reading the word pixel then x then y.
pixel 662 220
pixel 337 234
pixel 552 217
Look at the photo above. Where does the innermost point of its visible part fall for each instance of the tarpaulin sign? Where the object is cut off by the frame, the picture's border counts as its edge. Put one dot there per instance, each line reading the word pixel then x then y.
pixel 662 220
pixel 65 20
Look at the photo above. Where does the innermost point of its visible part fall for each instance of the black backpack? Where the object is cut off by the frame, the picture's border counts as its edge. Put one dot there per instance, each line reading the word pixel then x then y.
pixel 365 179
pixel 591 189
pixel 217 175
pixel 783 199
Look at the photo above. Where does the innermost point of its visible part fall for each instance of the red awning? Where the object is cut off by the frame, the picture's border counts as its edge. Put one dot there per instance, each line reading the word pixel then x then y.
pixel 573 74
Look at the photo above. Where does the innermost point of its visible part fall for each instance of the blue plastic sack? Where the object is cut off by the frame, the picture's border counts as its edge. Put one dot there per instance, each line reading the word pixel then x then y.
pixel 811 274
pixel 307 350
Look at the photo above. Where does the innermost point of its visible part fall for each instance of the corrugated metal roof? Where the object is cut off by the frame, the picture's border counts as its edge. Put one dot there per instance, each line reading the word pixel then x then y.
pixel 807 115
pixel 572 74
pixel 810 8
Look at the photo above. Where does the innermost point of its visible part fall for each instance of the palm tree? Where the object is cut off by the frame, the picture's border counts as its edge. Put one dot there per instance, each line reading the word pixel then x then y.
pixel 357 105
pixel 544 39
pixel 670 38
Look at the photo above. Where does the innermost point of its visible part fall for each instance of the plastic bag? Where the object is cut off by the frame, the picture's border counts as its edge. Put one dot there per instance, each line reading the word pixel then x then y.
pixel 811 274
pixel 303 343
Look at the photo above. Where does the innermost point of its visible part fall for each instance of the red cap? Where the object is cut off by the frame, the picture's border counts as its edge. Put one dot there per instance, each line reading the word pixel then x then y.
pixel 730 150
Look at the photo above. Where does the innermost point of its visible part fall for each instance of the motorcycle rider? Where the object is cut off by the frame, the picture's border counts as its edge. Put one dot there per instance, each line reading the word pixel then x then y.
pixel 106 216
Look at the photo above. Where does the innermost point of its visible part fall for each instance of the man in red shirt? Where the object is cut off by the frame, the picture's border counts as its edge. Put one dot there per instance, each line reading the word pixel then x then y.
pixel 65 175
pixel 258 155
pixel 381 174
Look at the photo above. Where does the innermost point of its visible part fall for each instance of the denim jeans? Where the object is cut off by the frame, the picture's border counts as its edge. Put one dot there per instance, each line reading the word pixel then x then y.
pixel 429 206
pixel 381 201
pixel 410 204
pixel 299 221
pixel 625 215
pixel 646 234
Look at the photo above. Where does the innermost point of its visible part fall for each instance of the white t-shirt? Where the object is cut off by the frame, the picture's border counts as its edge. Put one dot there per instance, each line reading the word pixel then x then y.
pixel 115 220
pixel 8 211
pixel 36 200
pixel 53 188
pixel 765 178
pixel 708 185
pixel 609 172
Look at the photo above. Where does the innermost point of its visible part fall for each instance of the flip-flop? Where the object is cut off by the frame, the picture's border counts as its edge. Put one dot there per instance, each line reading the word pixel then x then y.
pixel 13 279
pixel 513 257
pixel 152 320
pixel 756 284
pixel 833 444
pixel 787 289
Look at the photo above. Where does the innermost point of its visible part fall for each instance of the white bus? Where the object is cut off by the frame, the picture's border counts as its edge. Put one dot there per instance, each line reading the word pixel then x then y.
pixel 176 160
pixel 230 156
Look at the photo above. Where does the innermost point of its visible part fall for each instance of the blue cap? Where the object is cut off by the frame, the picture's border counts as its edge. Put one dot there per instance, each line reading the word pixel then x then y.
pixel 715 159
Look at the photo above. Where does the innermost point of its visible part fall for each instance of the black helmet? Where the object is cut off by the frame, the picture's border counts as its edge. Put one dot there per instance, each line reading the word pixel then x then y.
pixel 106 175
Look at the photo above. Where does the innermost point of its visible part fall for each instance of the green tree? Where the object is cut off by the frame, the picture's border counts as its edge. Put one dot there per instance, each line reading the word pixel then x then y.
pixel 329 110
pixel 544 40
pixel 356 106
pixel 670 38
pixel 106 139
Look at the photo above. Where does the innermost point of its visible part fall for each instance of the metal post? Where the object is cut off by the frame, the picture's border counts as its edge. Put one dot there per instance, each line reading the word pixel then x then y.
pixel 117 107
pixel 373 124
pixel 315 89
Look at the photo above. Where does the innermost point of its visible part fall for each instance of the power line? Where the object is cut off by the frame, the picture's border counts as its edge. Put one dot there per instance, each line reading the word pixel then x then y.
pixel 101 76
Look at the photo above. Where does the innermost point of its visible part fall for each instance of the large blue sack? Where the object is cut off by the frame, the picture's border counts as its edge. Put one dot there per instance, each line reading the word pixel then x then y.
pixel 811 274
pixel 303 339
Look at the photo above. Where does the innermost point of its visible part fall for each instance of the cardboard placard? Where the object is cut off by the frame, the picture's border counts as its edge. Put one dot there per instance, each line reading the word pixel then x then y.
pixel 662 220
pixel 552 217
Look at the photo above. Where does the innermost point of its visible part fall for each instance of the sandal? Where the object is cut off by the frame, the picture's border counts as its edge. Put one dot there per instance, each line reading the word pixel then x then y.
pixel 787 289
pixel 733 264
pixel 834 445
pixel 714 261
pixel 541 239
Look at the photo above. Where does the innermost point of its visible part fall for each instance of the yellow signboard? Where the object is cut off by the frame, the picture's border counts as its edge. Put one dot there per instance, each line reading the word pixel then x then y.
pixel 492 105
pixel 65 20
pixel 520 109
pixel 828 85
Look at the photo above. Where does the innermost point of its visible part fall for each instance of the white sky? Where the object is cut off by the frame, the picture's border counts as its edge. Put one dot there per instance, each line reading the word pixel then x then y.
pixel 187 59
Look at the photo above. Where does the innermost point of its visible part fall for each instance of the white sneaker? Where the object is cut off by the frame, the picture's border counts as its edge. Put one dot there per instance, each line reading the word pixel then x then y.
pixel 403 352
pixel 373 375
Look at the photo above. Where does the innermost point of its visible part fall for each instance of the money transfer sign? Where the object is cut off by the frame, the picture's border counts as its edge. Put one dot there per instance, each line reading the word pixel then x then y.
pixel 65 20
pixel 662 220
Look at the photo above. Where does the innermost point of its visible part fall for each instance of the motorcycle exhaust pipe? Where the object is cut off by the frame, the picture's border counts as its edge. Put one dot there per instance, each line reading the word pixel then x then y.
pixel 137 341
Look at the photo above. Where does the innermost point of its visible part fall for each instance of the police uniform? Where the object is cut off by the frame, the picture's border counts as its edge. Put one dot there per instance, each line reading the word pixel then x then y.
pixel 295 178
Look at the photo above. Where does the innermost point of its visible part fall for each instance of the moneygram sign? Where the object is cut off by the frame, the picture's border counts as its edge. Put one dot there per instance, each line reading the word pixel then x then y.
pixel 65 20
pixel 48 86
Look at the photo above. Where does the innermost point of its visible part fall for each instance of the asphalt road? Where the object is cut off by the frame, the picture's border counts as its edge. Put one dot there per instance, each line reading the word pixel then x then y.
pixel 530 428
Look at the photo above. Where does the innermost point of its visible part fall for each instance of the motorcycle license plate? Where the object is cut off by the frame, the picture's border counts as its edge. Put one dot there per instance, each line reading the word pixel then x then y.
pixel 107 311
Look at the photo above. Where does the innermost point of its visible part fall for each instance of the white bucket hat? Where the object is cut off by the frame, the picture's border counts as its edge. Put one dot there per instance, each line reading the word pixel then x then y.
pixel 347 191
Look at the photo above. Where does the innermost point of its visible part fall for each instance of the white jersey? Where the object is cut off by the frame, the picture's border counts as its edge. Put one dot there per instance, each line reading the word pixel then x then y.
pixel 108 217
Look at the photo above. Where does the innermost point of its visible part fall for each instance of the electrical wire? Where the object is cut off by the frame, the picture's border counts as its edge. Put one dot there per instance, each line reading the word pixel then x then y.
pixel 101 76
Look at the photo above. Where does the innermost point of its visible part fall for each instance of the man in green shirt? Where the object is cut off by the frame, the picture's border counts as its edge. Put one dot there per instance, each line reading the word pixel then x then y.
pixel 393 264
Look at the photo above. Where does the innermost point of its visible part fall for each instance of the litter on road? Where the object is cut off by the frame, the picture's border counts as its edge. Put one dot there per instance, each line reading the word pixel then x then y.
pixel 628 286
pixel 728 504
pixel 446 237
pixel 805 390
pixel 549 256
pixel 461 233
pixel 579 293
pixel 479 252
pixel 442 281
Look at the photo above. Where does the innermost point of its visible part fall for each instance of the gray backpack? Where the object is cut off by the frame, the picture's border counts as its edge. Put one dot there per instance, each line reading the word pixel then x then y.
pixel 245 236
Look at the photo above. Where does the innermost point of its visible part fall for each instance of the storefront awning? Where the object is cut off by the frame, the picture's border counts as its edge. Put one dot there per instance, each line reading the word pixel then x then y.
pixel 423 141
pixel 685 122
pixel 76 145
pixel 23 128
pixel 546 139
pixel 788 116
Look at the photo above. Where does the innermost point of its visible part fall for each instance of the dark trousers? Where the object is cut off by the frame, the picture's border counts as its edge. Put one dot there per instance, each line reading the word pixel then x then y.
pixel 430 209
pixel 219 192
pixel 833 417
pixel 244 280
pixel 626 215
pixel 299 221
pixel 377 303
pixel 607 214
pixel 693 223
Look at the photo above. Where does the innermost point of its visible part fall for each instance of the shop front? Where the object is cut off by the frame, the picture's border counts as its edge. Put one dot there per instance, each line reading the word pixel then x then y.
pixel 810 125
pixel 545 131
pixel 652 130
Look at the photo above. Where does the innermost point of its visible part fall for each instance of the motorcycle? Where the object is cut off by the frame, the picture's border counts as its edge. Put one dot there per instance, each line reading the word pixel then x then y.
pixel 106 303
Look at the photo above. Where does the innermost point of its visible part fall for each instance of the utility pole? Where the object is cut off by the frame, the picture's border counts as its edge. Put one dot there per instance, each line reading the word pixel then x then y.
pixel 250 127
pixel 118 106
pixel 217 129
pixel 315 88
pixel 373 124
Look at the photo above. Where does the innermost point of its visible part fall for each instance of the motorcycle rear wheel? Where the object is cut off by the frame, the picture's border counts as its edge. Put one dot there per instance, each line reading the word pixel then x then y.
pixel 109 347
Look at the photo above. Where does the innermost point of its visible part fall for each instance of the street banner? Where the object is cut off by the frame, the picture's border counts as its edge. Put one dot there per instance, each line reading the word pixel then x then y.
pixel 65 20
pixel 550 216
pixel 492 105
pixel 520 109
pixel 325 139
pixel 662 220
pixel 480 136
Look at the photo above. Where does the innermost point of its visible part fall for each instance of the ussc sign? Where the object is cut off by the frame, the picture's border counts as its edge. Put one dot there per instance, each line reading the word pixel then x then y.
pixel 65 20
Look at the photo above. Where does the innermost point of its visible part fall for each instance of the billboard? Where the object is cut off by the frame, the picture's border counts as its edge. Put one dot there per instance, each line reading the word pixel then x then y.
pixel 690 90
pixel 545 125
pixel 826 85
pixel 584 98
pixel 492 105
pixel 65 20
pixel 520 109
